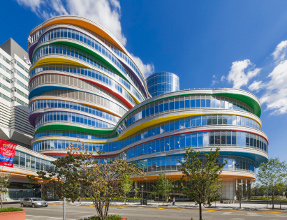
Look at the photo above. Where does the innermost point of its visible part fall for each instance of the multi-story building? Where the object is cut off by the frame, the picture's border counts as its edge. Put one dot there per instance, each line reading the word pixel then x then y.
pixel 162 82
pixel 14 112
pixel 14 118
pixel 86 89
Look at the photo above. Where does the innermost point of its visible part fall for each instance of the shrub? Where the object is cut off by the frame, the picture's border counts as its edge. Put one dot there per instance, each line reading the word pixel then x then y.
pixel 111 217
pixel 10 209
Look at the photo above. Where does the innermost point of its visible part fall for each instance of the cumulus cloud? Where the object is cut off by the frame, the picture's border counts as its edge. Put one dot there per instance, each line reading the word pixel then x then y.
pixel 241 72
pixel 273 88
pixel 256 86
pixel 280 51
pixel 276 89
pixel 146 69
pixel 104 12
pixel 107 13
pixel 34 5
pixel 214 80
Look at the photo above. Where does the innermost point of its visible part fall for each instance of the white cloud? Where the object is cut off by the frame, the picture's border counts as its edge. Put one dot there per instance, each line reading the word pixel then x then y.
pixel 104 12
pixel 33 4
pixel 146 69
pixel 256 86
pixel 222 78
pixel 241 72
pixel 214 81
pixel 280 51
pixel 276 89
pixel 59 8
pixel 107 13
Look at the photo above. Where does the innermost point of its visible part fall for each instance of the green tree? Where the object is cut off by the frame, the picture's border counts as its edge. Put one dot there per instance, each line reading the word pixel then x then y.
pixel 201 179
pixel 78 173
pixel 279 189
pixel 258 190
pixel 4 183
pixel 126 184
pixel 136 191
pixel 272 175
pixel 163 186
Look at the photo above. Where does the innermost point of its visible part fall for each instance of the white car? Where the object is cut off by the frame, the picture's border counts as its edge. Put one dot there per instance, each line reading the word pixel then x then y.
pixel 33 202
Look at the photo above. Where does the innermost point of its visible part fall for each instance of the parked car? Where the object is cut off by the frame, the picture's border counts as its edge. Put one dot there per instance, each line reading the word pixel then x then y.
pixel 33 202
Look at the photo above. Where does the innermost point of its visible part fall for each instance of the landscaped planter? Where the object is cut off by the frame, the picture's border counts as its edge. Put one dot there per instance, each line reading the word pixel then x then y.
pixel 124 219
pixel 18 215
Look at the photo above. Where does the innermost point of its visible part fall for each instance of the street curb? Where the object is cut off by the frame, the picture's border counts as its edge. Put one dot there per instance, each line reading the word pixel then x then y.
pixel 191 208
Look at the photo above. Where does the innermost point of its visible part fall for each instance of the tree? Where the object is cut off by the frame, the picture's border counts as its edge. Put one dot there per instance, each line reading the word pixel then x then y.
pixel 272 175
pixel 4 183
pixel 136 190
pixel 105 181
pixel 201 179
pixel 163 186
pixel 78 173
pixel 126 184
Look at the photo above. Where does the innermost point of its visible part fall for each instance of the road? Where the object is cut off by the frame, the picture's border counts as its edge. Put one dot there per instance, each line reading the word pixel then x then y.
pixel 54 212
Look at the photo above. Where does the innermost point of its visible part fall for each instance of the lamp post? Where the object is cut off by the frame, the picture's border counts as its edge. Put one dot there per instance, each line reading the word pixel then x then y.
pixel 240 194
pixel 142 193
pixel 64 204
pixel 64 199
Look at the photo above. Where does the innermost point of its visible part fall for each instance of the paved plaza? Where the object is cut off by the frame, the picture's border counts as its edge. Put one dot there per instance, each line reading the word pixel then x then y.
pixel 76 211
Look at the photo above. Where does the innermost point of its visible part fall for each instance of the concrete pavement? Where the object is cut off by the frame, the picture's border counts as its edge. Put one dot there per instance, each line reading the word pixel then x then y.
pixel 74 212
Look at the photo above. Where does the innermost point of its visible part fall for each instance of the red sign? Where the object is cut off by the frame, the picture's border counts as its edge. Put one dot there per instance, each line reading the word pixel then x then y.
pixel 7 153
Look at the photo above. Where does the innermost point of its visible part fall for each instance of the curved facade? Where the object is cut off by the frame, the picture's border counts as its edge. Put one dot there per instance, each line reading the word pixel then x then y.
pixel 162 82
pixel 85 89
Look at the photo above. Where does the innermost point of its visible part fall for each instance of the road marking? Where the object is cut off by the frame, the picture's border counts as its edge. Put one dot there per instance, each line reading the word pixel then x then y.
pixel 226 213
pixel 45 217
pixel 160 208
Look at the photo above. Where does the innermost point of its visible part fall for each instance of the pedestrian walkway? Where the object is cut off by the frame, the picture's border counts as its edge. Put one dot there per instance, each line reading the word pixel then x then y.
pixel 190 205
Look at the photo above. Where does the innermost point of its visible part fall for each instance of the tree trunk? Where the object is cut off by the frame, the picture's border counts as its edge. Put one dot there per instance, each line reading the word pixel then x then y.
pixel 200 212
pixel 272 200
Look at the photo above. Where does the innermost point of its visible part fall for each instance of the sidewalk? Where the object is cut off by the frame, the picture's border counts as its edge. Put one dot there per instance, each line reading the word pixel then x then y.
pixel 188 205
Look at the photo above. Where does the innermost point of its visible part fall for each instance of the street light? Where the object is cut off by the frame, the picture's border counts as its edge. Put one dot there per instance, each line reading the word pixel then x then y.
pixel 240 184
pixel 142 193
pixel 64 204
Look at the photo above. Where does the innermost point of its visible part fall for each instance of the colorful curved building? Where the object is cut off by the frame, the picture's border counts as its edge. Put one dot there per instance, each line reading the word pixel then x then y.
pixel 86 89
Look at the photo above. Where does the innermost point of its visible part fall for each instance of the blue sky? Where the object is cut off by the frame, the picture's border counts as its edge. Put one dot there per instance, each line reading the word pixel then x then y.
pixel 208 44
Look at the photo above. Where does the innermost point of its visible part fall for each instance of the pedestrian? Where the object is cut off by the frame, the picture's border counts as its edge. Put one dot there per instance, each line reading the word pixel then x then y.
pixel 169 199
pixel 173 201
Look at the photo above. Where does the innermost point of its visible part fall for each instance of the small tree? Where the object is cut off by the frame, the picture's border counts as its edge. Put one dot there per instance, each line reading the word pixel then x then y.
pixel 163 186
pixel 4 183
pixel 272 175
pixel 126 184
pixel 201 177
pixel 79 173
pixel 136 190
pixel 104 182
